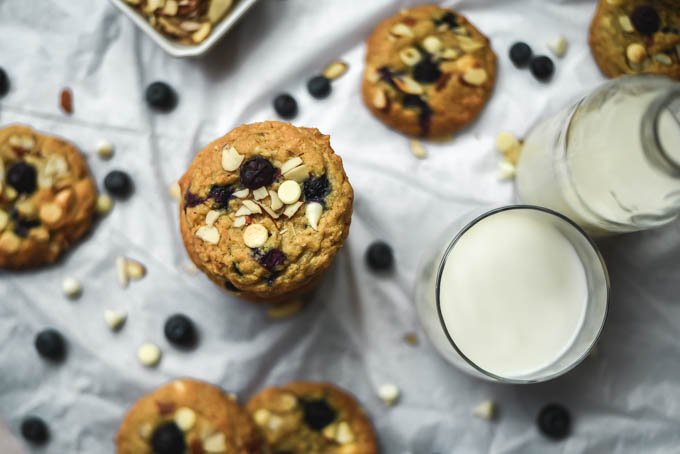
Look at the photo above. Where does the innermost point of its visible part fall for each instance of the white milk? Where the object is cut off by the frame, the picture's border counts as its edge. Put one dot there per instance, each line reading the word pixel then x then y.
pixel 513 293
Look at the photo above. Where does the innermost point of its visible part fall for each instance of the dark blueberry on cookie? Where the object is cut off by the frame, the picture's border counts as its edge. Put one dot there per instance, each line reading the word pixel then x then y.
pixel 317 413
pixel 426 71
pixel 319 87
pixel 272 260
pixel 645 19
pixel 379 256
pixel 257 172
pixel 180 330
pixel 22 225
pixel 449 19
pixel 23 177
pixel 161 96
pixel 35 430
pixel 50 344
pixel 118 184
pixel 221 195
pixel 285 105
pixel 554 421
pixel 191 200
pixel 414 102
pixel 168 439
pixel 316 189
pixel 542 68
pixel 387 75
pixel 520 54
pixel 4 83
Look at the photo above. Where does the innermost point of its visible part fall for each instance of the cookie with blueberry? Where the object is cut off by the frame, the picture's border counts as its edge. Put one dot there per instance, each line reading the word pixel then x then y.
pixel 265 209
pixel 304 417
pixel 188 416
pixel 636 37
pixel 429 71
pixel 47 197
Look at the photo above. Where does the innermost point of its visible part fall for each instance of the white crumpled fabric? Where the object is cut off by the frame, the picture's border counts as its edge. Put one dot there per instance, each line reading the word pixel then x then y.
pixel 624 399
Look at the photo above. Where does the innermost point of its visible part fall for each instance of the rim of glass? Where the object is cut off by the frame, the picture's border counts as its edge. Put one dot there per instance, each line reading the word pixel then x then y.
pixel 442 264
pixel 650 128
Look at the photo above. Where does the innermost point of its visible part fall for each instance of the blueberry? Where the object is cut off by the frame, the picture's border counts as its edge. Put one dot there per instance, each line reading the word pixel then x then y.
pixel 285 105
pixel 23 177
pixel 35 430
pixel 257 172
pixel 317 414
pixel 272 260
pixel 319 87
pixel 449 19
pixel 168 439
pixel 161 96
pixel 50 344
pixel 520 54
pixel 23 225
pixel 316 189
pixel 554 421
pixel 221 195
pixel 414 102
pixel 4 83
pixel 645 19
pixel 379 256
pixel 426 71
pixel 542 68
pixel 118 184
pixel 180 330
pixel 191 200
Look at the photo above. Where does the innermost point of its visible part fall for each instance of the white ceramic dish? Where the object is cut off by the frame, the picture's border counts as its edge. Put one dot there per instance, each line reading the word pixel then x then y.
pixel 181 50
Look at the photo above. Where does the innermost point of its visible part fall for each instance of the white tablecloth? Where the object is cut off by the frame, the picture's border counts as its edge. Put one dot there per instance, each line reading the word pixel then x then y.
pixel 625 399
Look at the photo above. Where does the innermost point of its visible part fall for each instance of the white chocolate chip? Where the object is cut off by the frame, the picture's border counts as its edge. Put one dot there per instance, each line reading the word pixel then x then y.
pixel 252 206
pixel 626 24
pixel 313 213
pixel 4 220
pixel 149 354
pixel 212 217
pixel 486 410
pixel 460 31
pixel 71 287
pixel 475 76
pixel 185 418
pixel 260 193
pixel 410 56
pixel 469 45
pixel 276 203
pixel 506 171
pixel 239 221
pixel 121 272
pixel 636 53
pixel 401 29
pixel 175 191
pixel 231 159
pixel 380 99
pixel 506 142
pixel 104 149
pixel 389 393
pixel 114 319
pixel 104 204
pixel 261 416
pixel 432 44
pixel 291 164
pixel 215 443
pixel 290 210
pixel 299 174
pixel 408 85
pixel 255 235
pixel 344 433
pixel 243 211
pixel 242 194
pixel 202 32
pixel 335 70
pixel 135 270
pixel 208 234
pixel 418 149
pixel 559 46
pixel 289 192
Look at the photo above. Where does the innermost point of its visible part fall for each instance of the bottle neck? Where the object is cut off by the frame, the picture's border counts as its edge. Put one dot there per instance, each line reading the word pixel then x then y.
pixel 660 131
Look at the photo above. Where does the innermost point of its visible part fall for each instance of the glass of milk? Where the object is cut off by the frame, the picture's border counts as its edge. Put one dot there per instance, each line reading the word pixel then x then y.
pixel 611 162
pixel 516 294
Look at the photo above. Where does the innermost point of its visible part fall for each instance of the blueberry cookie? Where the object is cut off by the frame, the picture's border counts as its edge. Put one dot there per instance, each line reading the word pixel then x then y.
pixel 312 418
pixel 188 416
pixel 265 209
pixel 47 197
pixel 636 36
pixel 429 71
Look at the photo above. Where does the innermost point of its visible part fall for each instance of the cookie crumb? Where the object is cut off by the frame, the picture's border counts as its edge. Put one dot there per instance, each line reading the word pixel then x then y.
pixel 66 100
pixel 72 287
pixel 411 339
pixel 485 410
pixel 105 149
pixel 389 394
pixel 506 171
pixel 286 309
pixel 175 191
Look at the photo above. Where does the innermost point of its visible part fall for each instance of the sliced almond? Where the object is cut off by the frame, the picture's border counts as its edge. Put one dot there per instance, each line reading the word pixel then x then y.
pixel 313 213
pixel 485 410
pixel 252 206
pixel 170 8
pixel 175 191
pixel 276 203
pixel 145 429
pixel 51 213
pixel 135 270
pixel 153 5
pixel 506 142
pixel 114 319
pixel 291 164
pixel 408 85
pixel 432 44
pixel 475 76
pixel 260 193
pixel 299 174
pixel 344 433
pixel 418 149
pixel 559 46
pixel 208 234
pixel 373 76
pixel 190 26
pixel 23 142
pixel 450 54
pixel 410 56
pixel 212 216
pixel 269 211
pixel 9 242
pixel 335 70
pixel 329 431
pixel 231 159
pixel 185 418
pixel 663 59
pixel 4 220
pixel 241 194
pixel 121 272
pixel 636 53
pixel 626 24
pixel 506 171
pixel 380 99
pixel 217 9
pixel 284 402
pixel 461 31
pixel 255 235
pixel 243 211
pixel 290 210
pixel 202 33
pixel 287 309
pixel 469 45
pixel 239 221
pixel 289 192
pixel 401 30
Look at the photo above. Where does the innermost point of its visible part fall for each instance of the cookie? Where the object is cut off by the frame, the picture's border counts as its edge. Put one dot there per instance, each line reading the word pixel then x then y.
pixel 47 197
pixel 265 209
pixel 429 71
pixel 188 416
pixel 312 418
pixel 636 37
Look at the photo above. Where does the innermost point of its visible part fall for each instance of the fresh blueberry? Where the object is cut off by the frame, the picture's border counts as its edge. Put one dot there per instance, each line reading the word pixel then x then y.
pixel 221 195
pixel 118 184
pixel 35 430
pixel 317 414
pixel 180 330
pixel 168 439
pixel 426 71
pixel 379 256
pixel 50 344
pixel 645 19
pixel 542 67
pixel 273 259
pixel 161 96
pixel 449 19
pixel 257 172
pixel 554 421
pixel 23 177
pixel 319 87
pixel 285 105
pixel 520 54
pixel 23 225
pixel 4 83
pixel 316 189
